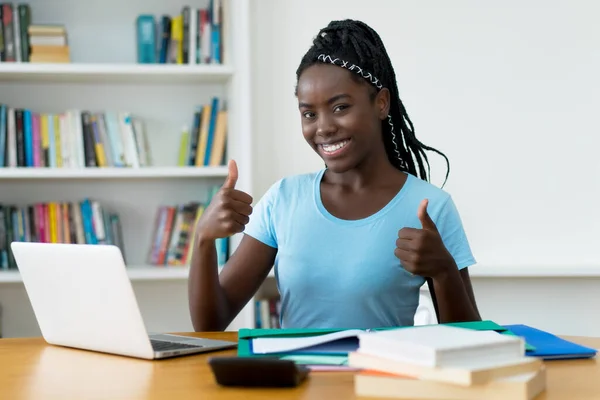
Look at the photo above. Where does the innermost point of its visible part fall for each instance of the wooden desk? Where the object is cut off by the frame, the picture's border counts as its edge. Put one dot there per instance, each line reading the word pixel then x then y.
pixel 30 369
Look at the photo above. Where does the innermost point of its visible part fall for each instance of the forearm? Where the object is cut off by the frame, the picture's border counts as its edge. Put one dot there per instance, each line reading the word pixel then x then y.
pixel 453 301
pixel 209 308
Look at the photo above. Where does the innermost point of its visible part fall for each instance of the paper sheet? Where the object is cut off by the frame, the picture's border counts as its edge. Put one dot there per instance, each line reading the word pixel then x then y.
pixel 316 360
pixel 269 345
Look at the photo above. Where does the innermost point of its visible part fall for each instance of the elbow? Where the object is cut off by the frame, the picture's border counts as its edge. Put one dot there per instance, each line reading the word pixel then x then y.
pixel 207 325
pixel 206 320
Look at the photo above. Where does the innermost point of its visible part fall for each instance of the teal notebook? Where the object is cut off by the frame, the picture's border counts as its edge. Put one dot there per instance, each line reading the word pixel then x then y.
pixel 330 353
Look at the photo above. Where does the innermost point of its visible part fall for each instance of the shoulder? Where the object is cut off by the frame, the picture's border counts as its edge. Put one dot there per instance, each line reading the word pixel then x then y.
pixel 444 213
pixel 441 207
pixel 417 190
pixel 291 187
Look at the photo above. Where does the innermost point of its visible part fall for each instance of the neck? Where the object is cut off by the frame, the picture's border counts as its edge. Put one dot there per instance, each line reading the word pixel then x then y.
pixel 375 171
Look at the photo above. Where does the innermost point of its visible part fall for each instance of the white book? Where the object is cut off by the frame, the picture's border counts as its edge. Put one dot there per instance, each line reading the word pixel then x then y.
pixel 65 137
pixel 458 376
pixel 193 36
pixel 77 147
pixel 129 145
pixel 17 34
pixel 443 346
pixel 518 387
pixel 11 143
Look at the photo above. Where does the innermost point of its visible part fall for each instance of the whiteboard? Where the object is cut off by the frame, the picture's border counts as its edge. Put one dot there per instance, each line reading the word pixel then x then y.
pixel 509 91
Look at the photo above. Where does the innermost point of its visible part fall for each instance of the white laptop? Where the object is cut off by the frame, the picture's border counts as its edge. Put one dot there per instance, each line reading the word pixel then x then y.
pixel 82 298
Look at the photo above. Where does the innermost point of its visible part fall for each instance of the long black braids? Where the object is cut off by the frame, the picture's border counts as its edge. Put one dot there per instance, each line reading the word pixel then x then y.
pixel 357 47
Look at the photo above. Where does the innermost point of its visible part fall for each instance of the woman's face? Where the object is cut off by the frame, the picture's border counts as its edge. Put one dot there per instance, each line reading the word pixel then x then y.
pixel 341 117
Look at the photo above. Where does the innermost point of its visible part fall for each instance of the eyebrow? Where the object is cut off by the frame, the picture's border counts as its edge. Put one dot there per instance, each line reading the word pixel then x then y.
pixel 331 100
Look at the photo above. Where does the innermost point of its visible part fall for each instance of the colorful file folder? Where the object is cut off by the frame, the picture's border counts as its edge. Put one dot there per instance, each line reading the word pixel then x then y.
pixel 245 337
pixel 549 346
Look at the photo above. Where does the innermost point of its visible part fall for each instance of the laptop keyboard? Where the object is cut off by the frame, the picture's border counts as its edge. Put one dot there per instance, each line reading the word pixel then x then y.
pixel 161 345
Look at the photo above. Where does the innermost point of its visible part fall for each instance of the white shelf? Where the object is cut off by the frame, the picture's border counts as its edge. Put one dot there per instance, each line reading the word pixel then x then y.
pixel 114 73
pixel 535 271
pixel 10 276
pixel 136 273
pixel 154 273
pixel 112 173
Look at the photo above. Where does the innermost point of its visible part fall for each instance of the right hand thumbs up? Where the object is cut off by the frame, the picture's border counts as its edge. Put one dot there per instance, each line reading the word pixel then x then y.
pixel 232 177
pixel 228 212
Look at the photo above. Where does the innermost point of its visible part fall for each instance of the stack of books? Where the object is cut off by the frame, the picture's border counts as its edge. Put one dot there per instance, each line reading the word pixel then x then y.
pixel 445 362
pixel 48 44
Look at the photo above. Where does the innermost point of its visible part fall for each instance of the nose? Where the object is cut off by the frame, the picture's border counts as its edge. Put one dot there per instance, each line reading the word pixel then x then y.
pixel 326 126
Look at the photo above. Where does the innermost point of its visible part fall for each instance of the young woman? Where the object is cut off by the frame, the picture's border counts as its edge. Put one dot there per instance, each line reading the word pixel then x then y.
pixel 351 243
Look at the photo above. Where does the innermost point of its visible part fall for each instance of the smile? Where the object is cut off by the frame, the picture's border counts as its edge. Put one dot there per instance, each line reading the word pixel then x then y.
pixel 334 148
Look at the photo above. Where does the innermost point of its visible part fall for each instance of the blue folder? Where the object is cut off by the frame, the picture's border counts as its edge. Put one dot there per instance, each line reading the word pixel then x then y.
pixel 549 346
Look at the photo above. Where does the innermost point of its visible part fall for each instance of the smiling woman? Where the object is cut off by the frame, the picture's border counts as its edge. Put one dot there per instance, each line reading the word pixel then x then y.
pixel 351 243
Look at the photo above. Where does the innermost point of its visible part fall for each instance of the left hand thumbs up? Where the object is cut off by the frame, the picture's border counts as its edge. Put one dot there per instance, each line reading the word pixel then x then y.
pixel 422 251
pixel 426 221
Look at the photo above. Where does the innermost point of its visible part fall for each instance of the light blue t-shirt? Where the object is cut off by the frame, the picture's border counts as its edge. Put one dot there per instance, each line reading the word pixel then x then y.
pixel 334 273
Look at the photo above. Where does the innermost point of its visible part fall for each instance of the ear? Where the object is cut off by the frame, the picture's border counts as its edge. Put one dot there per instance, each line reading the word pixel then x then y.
pixel 382 103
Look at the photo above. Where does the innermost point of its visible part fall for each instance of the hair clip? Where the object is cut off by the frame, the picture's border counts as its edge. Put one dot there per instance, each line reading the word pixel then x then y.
pixel 352 67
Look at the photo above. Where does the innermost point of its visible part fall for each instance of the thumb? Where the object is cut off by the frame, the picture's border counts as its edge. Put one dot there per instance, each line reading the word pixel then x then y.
pixel 424 217
pixel 232 176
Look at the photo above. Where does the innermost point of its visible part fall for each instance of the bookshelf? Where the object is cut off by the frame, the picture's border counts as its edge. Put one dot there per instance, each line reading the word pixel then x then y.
pixel 115 73
pixel 104 74
pixel 111 173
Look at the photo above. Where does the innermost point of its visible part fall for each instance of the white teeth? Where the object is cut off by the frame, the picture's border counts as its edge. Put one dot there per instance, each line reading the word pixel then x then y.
pixel 330 148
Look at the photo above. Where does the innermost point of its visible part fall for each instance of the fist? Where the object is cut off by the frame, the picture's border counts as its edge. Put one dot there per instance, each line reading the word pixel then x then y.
pixel 228 212
pixel 422 251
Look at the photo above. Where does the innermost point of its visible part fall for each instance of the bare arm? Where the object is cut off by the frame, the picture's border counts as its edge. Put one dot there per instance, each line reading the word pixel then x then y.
pixel 423 252
pixel 454 297
pixel 214 300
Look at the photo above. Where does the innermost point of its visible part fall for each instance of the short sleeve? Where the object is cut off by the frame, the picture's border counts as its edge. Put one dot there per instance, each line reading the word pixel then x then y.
pixel 261 224
pixel 453 235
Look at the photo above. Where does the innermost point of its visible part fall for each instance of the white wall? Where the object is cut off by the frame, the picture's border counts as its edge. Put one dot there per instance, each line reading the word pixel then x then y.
pixel 509 91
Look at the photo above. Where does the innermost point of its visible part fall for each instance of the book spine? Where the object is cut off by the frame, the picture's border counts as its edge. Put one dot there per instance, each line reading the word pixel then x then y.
pixel 24 22
pixel 28 138
pixel 185 44
pixel 16 34
pixel 20 138
pixel 146 39
pixel 9 29
pixel 3 134
pixel 2 41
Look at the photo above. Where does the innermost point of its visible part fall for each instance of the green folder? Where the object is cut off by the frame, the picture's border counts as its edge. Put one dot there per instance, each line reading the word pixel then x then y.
pixel 246 335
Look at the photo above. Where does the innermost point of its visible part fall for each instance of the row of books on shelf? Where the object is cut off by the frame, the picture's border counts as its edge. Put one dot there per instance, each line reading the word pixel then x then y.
pixel 81 138
pixel 204 143
pixel 194 36
pixel 89 222
pixel 71 139
pixel 267 312
pixel 173 234
pixel 22 41
pixel 79 222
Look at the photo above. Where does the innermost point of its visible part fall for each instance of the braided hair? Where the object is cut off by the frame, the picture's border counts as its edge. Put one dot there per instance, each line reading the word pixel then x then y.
pixel 357 47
